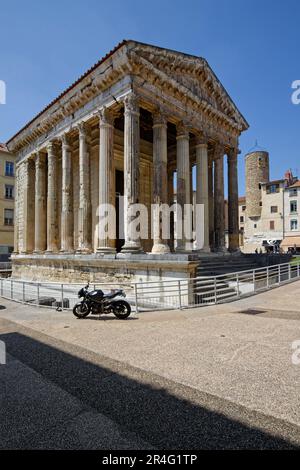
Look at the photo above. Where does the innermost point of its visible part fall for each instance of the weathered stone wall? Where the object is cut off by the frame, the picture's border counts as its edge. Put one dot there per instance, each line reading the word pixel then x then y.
pixel 257 171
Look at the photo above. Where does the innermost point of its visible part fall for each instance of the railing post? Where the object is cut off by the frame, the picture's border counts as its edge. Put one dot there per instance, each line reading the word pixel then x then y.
pixel 136 298
pixel 215 290
pixel 289 272
pixel 23 291
pixel 268 282
pixel 237 285
pixel 298 269
pixel 11 290
pixel 279 273
pixel 62 296
pixel 2 287
pixel 179 293
pixel 38 293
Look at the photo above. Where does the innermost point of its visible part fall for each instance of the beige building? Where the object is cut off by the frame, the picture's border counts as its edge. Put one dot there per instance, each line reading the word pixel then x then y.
pixel 137 118
pixel 268 215
pixel 7 198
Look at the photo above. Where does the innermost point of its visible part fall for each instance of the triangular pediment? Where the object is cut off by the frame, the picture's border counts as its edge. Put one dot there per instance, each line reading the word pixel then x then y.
pixel 194 74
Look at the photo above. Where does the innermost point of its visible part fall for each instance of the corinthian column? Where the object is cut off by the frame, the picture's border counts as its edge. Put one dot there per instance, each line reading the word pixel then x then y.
pixel 219 199
pixel 160 186
pixel 107 220
pixel 183 217
pixel 40 203
pixel 202 188
pixel 211 203
pixel 131 173
pixel 67 219
pixel 28 206
pixel 16 212
pixel 84 212
pixel 233 208
pixel 52 226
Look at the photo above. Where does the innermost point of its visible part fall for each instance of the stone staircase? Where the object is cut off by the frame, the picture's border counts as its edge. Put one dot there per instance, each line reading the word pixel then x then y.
pixel 214 265
pixel 205 291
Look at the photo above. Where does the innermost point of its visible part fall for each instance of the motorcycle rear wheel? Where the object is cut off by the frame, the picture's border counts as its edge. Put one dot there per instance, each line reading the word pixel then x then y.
pixel 81 310
pixel 121 309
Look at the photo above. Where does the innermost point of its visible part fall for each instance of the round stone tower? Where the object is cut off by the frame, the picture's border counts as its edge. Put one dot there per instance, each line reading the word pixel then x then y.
pixel 257 171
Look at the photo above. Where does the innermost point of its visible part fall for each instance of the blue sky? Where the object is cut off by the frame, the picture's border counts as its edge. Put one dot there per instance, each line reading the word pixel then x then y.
pixel 251 45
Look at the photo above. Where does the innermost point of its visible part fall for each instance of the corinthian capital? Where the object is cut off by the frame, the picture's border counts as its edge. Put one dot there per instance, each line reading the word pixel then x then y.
pixel 232 154
pixel 219 151
pixel 131 103
pixel 182 131
pixel 106 117
pixel 159 118
pixel 201 139
pixel 65 139
pixel 83 129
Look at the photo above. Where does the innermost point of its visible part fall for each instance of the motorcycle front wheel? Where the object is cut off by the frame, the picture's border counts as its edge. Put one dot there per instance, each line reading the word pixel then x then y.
pixel 81 310
pixel 121 309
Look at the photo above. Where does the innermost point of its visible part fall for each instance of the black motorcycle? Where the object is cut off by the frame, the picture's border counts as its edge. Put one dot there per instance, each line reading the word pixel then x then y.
pixel 96 303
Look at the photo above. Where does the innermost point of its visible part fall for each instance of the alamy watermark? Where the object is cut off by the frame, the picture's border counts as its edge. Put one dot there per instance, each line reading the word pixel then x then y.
pixel 2 92
pixel 156 221
pixel 296 353
pixel 2 353
pixel 296 93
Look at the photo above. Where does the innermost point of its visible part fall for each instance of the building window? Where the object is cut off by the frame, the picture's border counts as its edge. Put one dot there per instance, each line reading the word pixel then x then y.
pixel 260 203
pixel 294 224
pixel 255 225
pixel 293 206
pixel 8 216
pixel 272 225
pixel 293 192
pixel 9 191
pixel 9 168
pixel 273 188
pixel 243 208
pixel 241 219
pixel 274 209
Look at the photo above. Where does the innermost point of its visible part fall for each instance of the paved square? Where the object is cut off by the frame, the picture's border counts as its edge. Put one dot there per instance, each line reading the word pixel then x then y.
pixel 212 377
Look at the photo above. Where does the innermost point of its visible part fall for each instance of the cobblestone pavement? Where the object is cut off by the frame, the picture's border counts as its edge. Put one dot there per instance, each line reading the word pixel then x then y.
pixel 213 377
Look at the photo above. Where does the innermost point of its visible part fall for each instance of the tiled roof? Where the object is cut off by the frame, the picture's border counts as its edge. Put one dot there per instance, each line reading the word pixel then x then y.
pixel 295 185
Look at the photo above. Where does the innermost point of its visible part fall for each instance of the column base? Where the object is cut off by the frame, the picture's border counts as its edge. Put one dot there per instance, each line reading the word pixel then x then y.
pixel 66 252
pixel 220 249
pixel 83 251
pixel 205 249
pixel 103 250
pixel 132 247
pixel 160 248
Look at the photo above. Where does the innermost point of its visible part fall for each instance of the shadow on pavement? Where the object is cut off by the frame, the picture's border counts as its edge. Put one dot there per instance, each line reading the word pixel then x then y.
pixel 161 412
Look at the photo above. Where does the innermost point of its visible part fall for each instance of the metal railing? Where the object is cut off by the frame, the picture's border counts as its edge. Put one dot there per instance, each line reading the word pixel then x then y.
pixel 154 295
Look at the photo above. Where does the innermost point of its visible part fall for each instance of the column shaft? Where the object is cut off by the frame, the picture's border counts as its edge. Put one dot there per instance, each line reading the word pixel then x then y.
pixel 171 204
pixel 202 189
pixel 160 188
pixel 107 218
pixel 84 212
pixel 211 204
pixel 52 215
pixel 183 215
pixel 40 203
pixel 28 206
pixel 233 208
pixel 16 212
pixel 67 216
pixel 131 173
pixel 219 200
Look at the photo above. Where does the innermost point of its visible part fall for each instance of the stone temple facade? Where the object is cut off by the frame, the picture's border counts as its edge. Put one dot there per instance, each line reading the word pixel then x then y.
pixel 139 116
